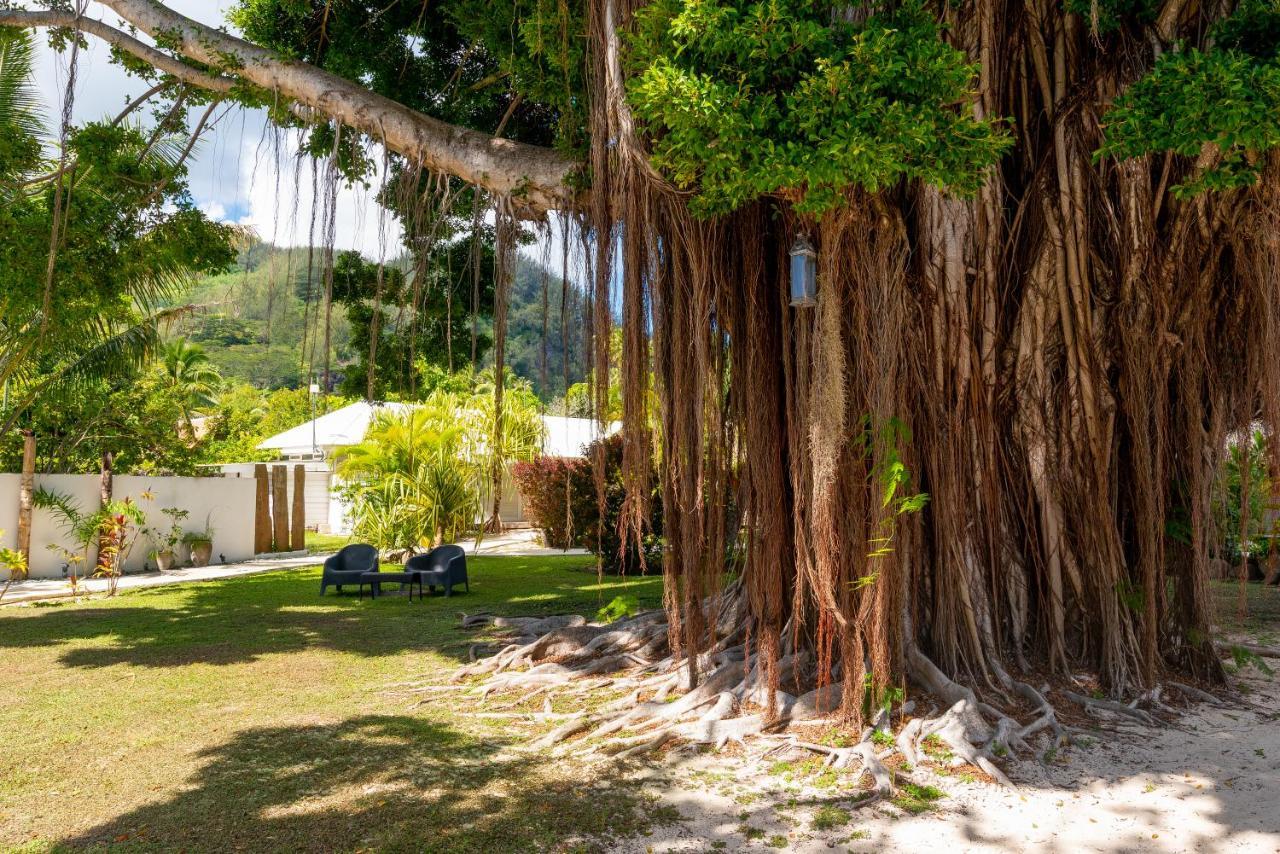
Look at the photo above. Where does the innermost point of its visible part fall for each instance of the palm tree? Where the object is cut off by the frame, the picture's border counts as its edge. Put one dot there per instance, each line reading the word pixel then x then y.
pixel 186 370
pixel 53 349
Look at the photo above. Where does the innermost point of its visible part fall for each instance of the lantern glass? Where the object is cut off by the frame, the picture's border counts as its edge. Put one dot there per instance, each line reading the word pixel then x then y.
pixel 804 273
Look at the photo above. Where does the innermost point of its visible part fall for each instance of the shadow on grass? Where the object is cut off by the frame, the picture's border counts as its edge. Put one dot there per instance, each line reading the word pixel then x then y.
pixel 385 782
pixel 236 620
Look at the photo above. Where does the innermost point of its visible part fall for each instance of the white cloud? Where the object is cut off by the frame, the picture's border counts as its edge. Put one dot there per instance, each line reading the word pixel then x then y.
pixel 214 210
pixel 274 197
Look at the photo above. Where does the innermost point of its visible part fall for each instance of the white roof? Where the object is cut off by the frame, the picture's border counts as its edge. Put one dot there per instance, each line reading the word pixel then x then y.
pixel 563 437
pixel 345 426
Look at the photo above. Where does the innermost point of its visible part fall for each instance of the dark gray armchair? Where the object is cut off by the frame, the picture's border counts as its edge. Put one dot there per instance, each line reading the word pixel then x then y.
pixel 347 566
pixel 444 566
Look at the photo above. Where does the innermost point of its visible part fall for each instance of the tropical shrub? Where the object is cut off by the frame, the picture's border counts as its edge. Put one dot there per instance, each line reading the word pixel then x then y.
pixel 410 483
pixel 16 563
pixel 560 496
pixel 550 501
pixel 114 527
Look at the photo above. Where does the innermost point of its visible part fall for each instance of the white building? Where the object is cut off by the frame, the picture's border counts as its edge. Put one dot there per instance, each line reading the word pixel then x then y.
pixel 316 444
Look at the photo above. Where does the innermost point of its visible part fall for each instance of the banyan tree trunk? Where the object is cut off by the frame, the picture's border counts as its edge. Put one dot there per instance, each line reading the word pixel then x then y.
pixel 1056 361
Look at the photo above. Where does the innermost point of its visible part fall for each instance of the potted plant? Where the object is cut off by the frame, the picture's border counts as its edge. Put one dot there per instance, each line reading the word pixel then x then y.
pixel 165 541
pixel 200 544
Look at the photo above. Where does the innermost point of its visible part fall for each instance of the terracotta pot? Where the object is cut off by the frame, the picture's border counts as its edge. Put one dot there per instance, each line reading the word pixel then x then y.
pixel 164 560
pixel 201 551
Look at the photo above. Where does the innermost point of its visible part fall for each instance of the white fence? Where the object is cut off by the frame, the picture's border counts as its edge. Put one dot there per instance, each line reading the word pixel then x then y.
pixel 226 503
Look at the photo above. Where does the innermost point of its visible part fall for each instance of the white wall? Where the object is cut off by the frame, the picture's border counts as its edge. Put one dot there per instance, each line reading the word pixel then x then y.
pixel 227 504
pixel 315 492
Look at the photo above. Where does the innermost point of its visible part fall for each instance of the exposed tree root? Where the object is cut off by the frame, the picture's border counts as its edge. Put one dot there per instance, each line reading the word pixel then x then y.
pixel 656 708
pixel 1095 704
pixel 1260 651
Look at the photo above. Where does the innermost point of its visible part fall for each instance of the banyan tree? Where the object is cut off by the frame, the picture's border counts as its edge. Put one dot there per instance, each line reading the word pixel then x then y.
pixel 1047 247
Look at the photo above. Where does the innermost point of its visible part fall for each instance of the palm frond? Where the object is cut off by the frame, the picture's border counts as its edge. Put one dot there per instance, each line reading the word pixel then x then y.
pixel 20 104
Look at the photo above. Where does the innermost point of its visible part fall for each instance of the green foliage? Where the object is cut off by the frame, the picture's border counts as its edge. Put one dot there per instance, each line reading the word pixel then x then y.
pixel 1106 16
pixel 744 99
pixel 418 477
pixel 243 416
pixel 561 501
pixel 114 527
pixel 1226 96
pixel 916 799
pixel 1243 658
pixel 410 485
pixel 828 817
pixel 136 417
pixel 14 562
pixel 186 371
pixel 618 608
pixel 1243 456
pixel 252 324
pixel 128 238
pixel 463 61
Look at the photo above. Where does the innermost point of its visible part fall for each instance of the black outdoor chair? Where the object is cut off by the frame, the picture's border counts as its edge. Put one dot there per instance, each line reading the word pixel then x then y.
pixel 444 566
pixel 348 565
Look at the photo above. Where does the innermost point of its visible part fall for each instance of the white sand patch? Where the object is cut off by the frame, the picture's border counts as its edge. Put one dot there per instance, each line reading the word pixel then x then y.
pixel 1208 783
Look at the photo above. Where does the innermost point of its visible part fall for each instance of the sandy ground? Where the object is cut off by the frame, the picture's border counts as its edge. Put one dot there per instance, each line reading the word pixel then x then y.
pixel 1209 782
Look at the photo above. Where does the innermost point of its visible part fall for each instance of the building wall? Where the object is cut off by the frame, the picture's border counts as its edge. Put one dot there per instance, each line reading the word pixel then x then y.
pixel 227 504
pixel 315 493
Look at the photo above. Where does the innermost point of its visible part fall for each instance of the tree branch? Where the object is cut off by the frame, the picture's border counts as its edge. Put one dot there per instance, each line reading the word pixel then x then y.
pixel 534 177
pixel 119 38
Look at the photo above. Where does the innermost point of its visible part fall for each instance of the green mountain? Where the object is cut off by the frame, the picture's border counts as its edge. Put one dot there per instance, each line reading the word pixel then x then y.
pixel 255 321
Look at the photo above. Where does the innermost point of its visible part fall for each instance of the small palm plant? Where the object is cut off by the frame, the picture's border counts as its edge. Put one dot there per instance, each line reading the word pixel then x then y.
pixel 186 369
pixel 14 561
pixel 409 482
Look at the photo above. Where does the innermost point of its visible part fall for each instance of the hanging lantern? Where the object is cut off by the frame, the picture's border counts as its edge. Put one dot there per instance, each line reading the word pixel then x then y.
pixel 804 273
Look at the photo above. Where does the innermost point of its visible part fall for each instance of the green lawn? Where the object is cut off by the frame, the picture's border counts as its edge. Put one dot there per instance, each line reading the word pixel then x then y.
pixel 252 714
pixel 325 543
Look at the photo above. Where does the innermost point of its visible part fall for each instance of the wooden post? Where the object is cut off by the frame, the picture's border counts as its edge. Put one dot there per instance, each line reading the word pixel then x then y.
pixel 280 507
pixel 26 493
pixel 262 512
pixel 298 540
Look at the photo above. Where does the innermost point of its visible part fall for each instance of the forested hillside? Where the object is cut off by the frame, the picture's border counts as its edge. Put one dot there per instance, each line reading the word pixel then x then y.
pixel 259 324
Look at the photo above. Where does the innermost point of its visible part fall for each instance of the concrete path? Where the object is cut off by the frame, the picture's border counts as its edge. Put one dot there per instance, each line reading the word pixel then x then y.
pixel 518 542
pixel 37 589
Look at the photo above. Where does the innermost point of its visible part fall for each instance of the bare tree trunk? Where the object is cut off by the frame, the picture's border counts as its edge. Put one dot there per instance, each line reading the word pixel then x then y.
pixel 262 510
pixel 26 493
pixel 280 508
pixel 106 488
pixel 298 537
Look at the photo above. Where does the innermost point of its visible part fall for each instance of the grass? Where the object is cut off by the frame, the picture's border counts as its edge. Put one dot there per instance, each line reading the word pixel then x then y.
pixel 916 799
pixel 325 543
pixel 829 817
pixel 251 714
